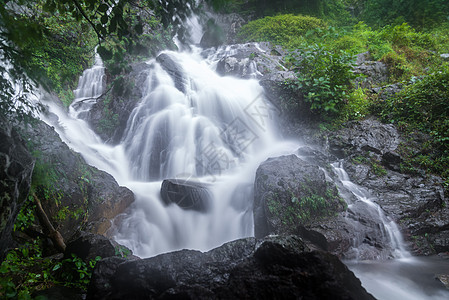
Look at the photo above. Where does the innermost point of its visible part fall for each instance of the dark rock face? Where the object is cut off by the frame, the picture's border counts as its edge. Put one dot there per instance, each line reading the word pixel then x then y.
pixel 228 25
pixel 174 70
pixel 88 246
pixel 368 135
pixel 72 193
pixel 293 196
pixel 118 105
pixel 376 72
pixel 417 203
pixel 16 168
pixel 186 194
pixel 244 269
pixel 290 192
pixel 213 36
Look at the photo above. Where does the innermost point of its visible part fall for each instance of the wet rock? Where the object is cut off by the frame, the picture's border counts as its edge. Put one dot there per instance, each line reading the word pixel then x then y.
pixel 101 280
pixel 109 115
pixel 243 269
pixel 444 279
pixel 16 168
pixel 375 72
pixel 73 194
pixel 359 137
pixel 174 70
pixel 187 194
pixel 290 192
pixel 234 66
pixel 256 60
pixel 295 197
pixel 416 202
pixel 88 246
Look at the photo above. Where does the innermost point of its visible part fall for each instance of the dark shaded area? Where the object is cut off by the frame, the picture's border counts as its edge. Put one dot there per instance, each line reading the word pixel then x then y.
pixel 186 194
pixel 16 168
pixel 272 268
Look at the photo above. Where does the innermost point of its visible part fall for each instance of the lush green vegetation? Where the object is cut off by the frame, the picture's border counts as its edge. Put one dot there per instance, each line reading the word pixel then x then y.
pixel 25 271
pixel 287 30
pixel 323 57
pixel 305 205
pixel 424 106
pixel 334 11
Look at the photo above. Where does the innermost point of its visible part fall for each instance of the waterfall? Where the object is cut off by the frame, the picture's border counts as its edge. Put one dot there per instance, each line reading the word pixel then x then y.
pixel 192 125
pixel 215 130
pixel 90 87
pixel 392 236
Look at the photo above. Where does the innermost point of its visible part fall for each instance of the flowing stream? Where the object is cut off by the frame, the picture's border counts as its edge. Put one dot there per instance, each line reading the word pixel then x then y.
pixel 195 126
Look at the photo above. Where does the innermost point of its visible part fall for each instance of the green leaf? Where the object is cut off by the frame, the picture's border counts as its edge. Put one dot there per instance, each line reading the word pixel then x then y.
pixel 103 8
pixel 104 19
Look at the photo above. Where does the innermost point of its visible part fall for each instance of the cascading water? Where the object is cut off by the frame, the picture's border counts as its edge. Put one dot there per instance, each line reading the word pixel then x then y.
pixel 90 87
pixel 211 128
pixel 207 128
pixel 191 125
pixel 391 235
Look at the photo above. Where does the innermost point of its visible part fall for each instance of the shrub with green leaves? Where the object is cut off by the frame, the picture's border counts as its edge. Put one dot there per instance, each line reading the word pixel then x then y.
pixel 324 76
pixel 286 30
pixel 424 105
pixel 25 271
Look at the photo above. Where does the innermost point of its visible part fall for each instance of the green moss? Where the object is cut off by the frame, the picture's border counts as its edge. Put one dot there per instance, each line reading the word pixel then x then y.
pixel 286 30
pixel 304 205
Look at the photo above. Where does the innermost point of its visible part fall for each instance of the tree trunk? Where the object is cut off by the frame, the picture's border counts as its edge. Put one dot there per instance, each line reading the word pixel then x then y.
pixel 52 233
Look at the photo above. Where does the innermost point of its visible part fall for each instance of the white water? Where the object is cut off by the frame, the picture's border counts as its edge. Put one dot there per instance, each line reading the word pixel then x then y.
pixel 392 235
pixel 217 131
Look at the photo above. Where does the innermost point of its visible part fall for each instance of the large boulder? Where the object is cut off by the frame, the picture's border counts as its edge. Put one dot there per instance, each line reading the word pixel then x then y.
pixel 73 193
pixel 174 70
pixel 290 192
pixel 244 269
pixel 294 196
pixel 88 246
pixel 16 168
pixel 187 194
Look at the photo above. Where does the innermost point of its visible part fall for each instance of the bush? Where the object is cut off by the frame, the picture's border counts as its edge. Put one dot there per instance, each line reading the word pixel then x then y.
pixel 357 106
pixel 324 76
pixel 424 106
pixel 286 30
pixel 25 271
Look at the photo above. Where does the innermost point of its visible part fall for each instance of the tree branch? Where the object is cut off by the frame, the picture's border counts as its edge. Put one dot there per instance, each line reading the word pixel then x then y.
pixel 52 233
pixel 80 9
